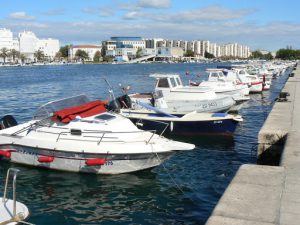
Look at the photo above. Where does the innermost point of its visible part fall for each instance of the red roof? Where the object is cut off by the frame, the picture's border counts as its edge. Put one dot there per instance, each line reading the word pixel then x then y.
pixel 84 110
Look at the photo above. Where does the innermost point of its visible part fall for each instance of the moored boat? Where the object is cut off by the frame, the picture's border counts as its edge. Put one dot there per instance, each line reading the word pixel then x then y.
pixel 192 123
pixel 77 135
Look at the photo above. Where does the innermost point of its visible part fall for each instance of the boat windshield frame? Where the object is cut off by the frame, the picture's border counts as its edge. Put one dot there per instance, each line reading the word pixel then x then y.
pixel 47 110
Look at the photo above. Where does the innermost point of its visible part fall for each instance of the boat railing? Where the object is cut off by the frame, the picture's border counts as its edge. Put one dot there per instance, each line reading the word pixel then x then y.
pixel 4 199
pixel 87 134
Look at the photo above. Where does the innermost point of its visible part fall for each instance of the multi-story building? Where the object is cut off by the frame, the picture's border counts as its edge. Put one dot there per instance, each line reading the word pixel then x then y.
pixel 28 44
pixel 89 49
pixel 48 46
pixel 6 39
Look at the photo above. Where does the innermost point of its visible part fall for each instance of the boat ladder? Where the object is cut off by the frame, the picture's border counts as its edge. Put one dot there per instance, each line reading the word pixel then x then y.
pixel 16 217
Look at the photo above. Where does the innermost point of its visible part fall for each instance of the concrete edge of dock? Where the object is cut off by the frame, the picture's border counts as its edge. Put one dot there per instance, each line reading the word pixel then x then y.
pixel 265 195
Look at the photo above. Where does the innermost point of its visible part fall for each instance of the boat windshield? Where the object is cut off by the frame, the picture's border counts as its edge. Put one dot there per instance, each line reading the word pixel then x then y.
pixel 49 108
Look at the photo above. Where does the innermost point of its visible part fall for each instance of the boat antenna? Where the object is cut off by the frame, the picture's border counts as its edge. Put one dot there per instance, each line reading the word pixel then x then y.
pixel 112 95
pixel 110 90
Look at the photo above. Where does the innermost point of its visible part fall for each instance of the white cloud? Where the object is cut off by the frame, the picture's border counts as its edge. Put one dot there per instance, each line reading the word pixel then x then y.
pixel 55 12
pixel 154 4
pixel 102 12
pixel 208 14
pixel 20 15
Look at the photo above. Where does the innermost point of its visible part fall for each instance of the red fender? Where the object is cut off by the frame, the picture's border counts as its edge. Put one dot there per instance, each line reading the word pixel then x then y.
pixel 95 162
pixel 45 159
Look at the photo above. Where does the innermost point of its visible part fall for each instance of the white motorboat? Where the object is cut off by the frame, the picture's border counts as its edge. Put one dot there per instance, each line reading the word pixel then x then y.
pixel 77 135
pixel 11 211
pixel 184 99
pixel 256 85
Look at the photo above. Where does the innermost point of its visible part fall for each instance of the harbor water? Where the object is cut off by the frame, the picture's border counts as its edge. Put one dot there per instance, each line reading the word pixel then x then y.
pixel 184 190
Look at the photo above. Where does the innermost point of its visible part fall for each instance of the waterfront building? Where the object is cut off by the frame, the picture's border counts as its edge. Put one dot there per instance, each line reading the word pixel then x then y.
pixel 121 45
pixel 190 46
pixel 28 44
pixel 6 39
pixel 153 43
pixel 89 49
pixel 170 52
pixel 49 47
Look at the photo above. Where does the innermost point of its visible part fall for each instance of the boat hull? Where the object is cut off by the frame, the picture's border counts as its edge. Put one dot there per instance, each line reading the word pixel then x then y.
pixel 76 162
pixel 220 127
pixel 184 107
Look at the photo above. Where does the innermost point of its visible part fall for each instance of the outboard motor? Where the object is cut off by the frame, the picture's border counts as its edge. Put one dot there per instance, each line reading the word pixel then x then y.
pixel 7 121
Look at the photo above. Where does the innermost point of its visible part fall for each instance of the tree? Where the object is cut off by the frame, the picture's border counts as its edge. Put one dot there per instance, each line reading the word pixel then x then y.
pixel 23 58
pixel 58 55
pixel 103 51
pixel 4 53
pixel 81 54
pixel 15 54
pixel 189 53
pixel 208 55
pixel 39 55
pixel 97 56
pixel 288 54
pixel 139 53
pixel 256 55
pixel 64 50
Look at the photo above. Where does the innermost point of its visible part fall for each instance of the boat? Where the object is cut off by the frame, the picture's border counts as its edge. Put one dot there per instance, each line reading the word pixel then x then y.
pixel 147 117
pixel 12 211
pixel 78 135
pixel 255 84
pixel 183 99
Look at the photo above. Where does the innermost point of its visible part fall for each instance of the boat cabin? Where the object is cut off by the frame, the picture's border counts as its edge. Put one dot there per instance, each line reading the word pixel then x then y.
pixel 167 81
pixel 222 75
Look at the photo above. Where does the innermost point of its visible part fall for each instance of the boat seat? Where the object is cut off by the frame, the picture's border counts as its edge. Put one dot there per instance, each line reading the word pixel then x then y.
pixel 7 121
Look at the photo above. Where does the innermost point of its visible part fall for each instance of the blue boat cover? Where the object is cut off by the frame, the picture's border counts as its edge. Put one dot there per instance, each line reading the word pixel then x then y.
pixel 147 106
pixel 219 115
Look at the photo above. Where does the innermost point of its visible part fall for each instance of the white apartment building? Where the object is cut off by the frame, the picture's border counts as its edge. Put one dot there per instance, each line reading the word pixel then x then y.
pixel 48 46
pixel 28 44
pixel 89 49
pixel 6 39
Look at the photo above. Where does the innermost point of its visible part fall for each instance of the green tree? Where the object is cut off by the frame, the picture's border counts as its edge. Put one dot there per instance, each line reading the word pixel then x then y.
pixel 103 51
pixel 23 58
pixel 288 54
pixel 14 54
pixel 139 53
pixel 81 54
pixel 58 55
pixel 189 53
pixel 97 56
pixel 4 53
pixel 64 50
pixel 39 55
pixel 256 55
pixel 208 55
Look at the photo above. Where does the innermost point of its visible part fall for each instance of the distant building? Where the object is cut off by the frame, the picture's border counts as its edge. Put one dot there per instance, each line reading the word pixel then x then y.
pixel 171 52
pixel 6 39
pixel 89 49
pixel 48 46
pixel 124 47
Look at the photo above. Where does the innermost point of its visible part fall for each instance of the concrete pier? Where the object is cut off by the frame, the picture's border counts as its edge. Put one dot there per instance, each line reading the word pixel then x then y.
pixel 265 195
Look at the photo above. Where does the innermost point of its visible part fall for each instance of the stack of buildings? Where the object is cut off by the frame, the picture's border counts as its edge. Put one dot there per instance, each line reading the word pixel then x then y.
pixel 127 47
pixel 27 43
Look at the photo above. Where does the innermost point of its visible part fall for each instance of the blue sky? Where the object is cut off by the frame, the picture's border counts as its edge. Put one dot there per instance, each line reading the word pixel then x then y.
pixel 264 24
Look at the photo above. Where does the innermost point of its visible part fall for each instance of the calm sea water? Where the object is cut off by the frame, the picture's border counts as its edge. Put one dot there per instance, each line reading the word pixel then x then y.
pixel 184 190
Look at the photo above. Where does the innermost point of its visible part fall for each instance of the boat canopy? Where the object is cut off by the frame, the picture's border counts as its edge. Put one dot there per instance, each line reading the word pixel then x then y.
pixel 84 110
pixel 47 110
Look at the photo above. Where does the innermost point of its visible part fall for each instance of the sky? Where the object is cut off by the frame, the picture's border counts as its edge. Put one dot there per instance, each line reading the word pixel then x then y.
pixel 260 24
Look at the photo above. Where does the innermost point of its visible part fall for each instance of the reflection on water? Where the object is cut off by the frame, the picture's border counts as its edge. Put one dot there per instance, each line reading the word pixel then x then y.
pixel 184 190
